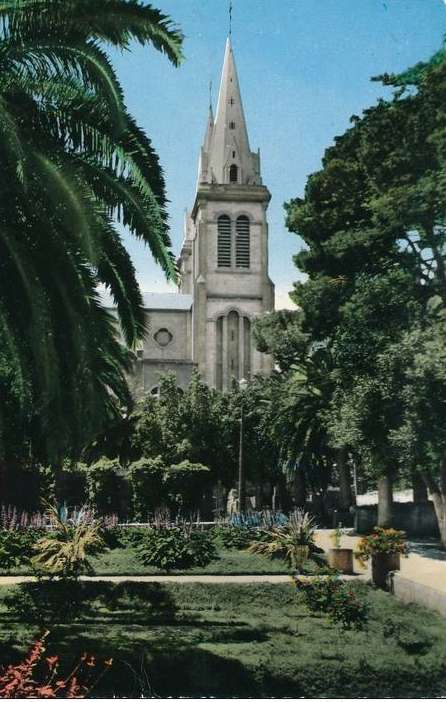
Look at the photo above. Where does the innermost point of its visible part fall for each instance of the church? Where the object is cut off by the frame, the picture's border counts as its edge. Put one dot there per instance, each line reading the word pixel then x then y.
pixel 223 262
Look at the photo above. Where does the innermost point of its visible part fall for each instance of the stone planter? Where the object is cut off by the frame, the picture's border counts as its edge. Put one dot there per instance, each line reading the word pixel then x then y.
pixel 341 559
pixel 382 565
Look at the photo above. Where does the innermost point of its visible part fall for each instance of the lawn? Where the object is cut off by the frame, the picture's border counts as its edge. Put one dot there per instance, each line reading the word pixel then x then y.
pixel 124 561
pixel 231 640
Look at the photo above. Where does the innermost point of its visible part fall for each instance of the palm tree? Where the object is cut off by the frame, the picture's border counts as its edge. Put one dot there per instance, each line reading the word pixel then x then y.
pixel 301 398
pixel 74 163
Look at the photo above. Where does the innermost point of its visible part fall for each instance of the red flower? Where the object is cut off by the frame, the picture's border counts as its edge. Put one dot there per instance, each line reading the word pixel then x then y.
pixel 52 660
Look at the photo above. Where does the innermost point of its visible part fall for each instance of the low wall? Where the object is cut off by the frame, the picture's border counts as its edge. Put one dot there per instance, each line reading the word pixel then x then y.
pixel 416 519
pixel 411 591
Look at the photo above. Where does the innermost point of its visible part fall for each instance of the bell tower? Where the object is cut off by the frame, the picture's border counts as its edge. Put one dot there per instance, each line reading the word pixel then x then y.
pixel 224 257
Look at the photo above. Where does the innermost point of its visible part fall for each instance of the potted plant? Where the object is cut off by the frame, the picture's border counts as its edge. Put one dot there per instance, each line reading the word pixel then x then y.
pixel 384 547
pixel 340 559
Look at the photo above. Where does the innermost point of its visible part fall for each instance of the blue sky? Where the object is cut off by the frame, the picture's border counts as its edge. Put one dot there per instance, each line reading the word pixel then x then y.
pixel 304 68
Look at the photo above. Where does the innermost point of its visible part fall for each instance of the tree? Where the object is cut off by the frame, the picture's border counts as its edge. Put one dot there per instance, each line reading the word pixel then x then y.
pixel 417 368
pixel 366 404
pixel 74 161
pixel 300 395
pixel 376 206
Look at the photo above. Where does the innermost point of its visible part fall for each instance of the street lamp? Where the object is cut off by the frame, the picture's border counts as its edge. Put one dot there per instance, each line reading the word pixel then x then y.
pixel 243 384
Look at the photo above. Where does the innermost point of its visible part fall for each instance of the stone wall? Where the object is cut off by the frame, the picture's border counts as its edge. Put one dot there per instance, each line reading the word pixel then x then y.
pixel 416 519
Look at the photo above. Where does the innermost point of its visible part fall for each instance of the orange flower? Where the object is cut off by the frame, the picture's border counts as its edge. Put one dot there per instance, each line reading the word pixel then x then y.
pixel 45 691
pixel 108 662
pixel 52 660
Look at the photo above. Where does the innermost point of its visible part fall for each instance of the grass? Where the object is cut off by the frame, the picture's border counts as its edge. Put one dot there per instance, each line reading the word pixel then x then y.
pixel 124 561
pixel 232 640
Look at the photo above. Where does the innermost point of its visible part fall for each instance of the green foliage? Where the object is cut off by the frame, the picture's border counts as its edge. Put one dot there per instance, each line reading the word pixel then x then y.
pixel 177 548
pixel 70 481
pixel 74 163
pixel 16 546
pixel 409 635
pixel 337 599
pixel 373 223
pixel 64 552
pixel 201 426
pixel 185 483
pixel 48 602
pixel 233 537
pixel 257 640
pixel 293 542
pixel 146 483
pixel 381 541
pixel 319 592
pixel 107 486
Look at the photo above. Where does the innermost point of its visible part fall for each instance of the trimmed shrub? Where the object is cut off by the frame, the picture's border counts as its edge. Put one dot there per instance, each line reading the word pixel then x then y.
pixel 108 487
pixel 176 547
pixel 146 482
pixel 185 483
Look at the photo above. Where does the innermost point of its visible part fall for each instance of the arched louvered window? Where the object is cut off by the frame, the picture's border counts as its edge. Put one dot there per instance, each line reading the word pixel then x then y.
pixel 233 173
pixel 224 247
pixel 242 257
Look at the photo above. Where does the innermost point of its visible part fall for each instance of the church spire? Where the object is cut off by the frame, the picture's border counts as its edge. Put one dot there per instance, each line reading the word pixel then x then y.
pixel 226 156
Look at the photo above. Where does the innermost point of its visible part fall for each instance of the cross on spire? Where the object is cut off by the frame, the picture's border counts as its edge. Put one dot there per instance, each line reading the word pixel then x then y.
pixel 230 17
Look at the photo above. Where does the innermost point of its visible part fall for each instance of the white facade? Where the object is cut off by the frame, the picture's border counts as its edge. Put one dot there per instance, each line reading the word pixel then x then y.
pixel 223 261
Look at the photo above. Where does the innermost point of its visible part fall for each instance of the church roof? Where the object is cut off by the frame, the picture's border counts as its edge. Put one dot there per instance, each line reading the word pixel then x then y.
pixel 167 301
pixel 157 301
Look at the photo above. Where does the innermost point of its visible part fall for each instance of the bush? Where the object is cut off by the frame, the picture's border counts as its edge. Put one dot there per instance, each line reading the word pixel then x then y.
pixel 19 681
pixel 16 546
pixel 176 547
pixel 348 610
pixel 184 484
pixel 121 537
pixel 233 537
pixel 64 552
pixel 319 592
pixel 108 487
pixel 333 597
pixel 293 542
pixel 146 482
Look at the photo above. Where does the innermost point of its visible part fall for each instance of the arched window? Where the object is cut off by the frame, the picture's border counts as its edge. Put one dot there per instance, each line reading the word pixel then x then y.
pixel 242 254
pixel 233 173
pixel 224 248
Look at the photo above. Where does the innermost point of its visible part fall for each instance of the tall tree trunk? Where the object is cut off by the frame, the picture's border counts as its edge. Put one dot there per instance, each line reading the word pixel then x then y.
pixel 346 499
pixel 419 488
pixel 385 501
pixel 438 492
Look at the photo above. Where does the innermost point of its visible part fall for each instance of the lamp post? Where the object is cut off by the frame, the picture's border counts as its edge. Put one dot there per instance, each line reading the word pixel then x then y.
pixel 241 467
